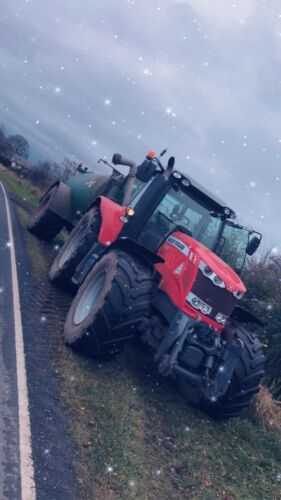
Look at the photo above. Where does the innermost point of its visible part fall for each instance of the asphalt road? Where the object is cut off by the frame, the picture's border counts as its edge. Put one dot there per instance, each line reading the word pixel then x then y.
pixel 36 450
pixel 16 466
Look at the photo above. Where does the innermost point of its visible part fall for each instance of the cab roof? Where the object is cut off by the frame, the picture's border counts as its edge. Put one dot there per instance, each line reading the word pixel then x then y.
pixel 199 190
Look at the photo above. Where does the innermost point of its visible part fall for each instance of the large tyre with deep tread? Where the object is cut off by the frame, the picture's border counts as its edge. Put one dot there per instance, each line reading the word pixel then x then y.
pixel 80 241
pixel 245 382
pixel 44 223
pixel 110 304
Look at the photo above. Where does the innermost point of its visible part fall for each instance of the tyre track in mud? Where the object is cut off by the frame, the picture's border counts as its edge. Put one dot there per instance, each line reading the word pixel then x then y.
pixel 43 312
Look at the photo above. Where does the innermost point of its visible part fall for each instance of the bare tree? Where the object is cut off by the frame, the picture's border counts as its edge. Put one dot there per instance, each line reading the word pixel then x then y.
pixel 6 149
pixel 20 145
pixel 263 279
pixel 69 167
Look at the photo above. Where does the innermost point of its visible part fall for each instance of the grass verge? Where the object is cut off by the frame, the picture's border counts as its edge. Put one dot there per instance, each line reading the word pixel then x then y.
pixel 21 189
pixel 139 440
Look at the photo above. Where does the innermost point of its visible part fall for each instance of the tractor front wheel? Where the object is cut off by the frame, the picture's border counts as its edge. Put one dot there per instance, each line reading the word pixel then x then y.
pixel 110 304
pixel 44 223
pixel 80 241
pixel 245 381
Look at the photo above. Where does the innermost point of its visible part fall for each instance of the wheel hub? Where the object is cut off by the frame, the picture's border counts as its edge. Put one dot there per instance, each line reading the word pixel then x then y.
pixel 88 299
pixel 72 245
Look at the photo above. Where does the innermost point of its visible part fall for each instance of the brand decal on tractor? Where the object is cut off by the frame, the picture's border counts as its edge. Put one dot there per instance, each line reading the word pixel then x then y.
pixel 184 249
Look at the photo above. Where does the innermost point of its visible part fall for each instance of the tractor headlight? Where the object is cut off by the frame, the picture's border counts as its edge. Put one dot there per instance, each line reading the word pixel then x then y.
pixel 198 304
pixel 195 302
pixel 218 281
pixel 130 212
pixel 206 309
pixel 177 175
pixel 221 318
pixel 211 275
pixel 206 270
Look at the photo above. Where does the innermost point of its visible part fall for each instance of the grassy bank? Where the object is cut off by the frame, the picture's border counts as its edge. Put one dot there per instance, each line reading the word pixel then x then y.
pixel 21 189
pixel 139 440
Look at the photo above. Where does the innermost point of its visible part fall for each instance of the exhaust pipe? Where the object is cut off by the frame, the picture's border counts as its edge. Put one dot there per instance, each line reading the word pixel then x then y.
pixel 118 159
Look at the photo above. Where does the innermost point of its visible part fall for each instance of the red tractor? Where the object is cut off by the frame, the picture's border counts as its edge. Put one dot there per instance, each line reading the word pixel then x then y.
pixel 164 265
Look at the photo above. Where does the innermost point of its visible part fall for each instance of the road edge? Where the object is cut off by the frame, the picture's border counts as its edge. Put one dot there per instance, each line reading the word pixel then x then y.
pixel 27 481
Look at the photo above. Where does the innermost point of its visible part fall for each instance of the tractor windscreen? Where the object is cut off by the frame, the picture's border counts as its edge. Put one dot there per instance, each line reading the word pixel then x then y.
pixel 233 245
pixel 178 209
pixel 137 189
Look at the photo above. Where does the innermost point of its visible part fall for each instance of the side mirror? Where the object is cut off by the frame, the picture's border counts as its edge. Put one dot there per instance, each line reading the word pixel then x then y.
pixel 253 243
pixel 82 169
pixel 116 159
pixel 171 163
pixel 146 170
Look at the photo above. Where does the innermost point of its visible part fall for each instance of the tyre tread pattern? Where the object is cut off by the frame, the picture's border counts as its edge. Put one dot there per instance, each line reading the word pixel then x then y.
pixel 247 378
pixel 124 307
pixel 62 275
pixel 246 381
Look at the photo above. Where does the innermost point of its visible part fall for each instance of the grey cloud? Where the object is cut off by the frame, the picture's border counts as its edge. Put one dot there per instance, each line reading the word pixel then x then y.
pixel 216 68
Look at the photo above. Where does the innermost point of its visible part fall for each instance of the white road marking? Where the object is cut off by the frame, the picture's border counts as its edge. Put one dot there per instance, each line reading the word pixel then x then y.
pixel 28 488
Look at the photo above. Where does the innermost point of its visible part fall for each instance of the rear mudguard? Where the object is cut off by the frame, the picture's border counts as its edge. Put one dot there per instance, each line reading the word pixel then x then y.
pixel 133 247
pixel 113 218
pixel 98 250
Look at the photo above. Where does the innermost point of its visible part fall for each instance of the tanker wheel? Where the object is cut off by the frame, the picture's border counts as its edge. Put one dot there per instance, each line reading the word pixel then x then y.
pixel 81 239
pixel 244 384
pixel 110 304
pixel 44 223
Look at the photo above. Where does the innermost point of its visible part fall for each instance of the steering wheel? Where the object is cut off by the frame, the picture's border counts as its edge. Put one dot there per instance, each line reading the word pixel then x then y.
pixel 163 219
pixel 186 221
pixel 179 219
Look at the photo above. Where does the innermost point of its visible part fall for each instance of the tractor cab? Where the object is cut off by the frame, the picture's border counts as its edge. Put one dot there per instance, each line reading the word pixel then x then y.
pixel 165 201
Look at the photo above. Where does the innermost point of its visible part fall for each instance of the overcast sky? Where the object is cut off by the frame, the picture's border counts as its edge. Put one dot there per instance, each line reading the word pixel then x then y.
pixel 201 77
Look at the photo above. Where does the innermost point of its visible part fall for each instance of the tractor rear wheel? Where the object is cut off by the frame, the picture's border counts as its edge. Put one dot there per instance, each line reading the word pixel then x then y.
pixel 245 382
pixel 45 224
pixel 110 304
pixel 80 241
